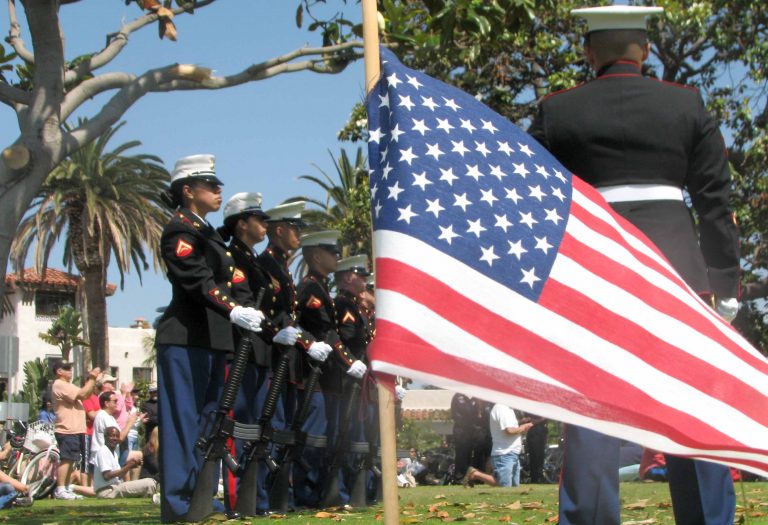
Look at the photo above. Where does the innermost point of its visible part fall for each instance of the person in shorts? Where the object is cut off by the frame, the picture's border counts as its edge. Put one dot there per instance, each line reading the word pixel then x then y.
pixel 70 423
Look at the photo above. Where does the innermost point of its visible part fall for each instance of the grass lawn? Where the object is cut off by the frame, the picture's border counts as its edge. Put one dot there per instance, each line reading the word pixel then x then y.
pixel 642 503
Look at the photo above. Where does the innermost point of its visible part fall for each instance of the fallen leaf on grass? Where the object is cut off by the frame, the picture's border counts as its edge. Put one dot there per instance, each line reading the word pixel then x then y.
pixel 410 520
pixel 664 504
pixel 325 515
pixel 505 519
pixel 433 508
pixel 649 521
pixel 553 519
pixel 514 506
pixel 470 515
pixel 440 496
pixel 637 505
pixel 533 505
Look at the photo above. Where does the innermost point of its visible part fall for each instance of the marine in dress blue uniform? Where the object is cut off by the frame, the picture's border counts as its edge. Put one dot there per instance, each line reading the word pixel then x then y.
pixel 194 333
pixel 283 227
pixel 348 363
pixel 316 315
pixel 640 142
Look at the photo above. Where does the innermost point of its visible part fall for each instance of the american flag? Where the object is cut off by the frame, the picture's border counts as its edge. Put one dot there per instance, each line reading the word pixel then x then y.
pixel 501 275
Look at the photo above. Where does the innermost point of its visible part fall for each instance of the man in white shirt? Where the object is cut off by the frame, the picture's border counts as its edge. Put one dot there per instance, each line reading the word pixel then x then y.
pixel 505 453
pixel 107 474
pixel 104 419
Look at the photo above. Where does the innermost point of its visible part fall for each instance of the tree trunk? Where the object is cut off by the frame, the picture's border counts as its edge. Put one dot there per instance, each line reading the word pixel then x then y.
pixel 94 289
pixel 39 124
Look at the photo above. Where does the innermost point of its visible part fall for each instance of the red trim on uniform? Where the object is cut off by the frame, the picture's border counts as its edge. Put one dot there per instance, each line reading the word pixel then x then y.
pixel 563 91
pixel 230 479
pixel 212 293
pixel 676 84
pixel 185 220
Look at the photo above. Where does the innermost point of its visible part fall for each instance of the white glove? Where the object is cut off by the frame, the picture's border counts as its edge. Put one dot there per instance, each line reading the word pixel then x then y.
pixel 247 317
pixel 287 336
pixel 319 351
pixel 357 369
pixel 400 392
pixel 727 308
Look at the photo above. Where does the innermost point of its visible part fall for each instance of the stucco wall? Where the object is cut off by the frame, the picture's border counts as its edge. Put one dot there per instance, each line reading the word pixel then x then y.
pixel 125 344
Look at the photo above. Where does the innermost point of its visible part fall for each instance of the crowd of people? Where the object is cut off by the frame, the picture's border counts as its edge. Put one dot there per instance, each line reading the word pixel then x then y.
pixel 97 430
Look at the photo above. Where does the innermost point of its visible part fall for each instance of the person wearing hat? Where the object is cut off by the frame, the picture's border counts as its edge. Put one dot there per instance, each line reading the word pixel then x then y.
pixel 283 230
pixel 354 333
pixel 194 333
pixel 641 142
pixel 245 224
pixel 70 423
pixel 317 314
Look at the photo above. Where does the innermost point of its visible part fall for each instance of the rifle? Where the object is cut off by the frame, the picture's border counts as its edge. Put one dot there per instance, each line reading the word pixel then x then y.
pixel 214 444
pixel 331 497
pixel 258 441
pixel 294 442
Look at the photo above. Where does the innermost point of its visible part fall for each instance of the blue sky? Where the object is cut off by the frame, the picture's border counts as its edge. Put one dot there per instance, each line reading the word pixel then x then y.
pixel 264 134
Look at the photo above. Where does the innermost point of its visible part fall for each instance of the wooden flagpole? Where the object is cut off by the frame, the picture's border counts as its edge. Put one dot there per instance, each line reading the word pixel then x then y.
pixel 386 398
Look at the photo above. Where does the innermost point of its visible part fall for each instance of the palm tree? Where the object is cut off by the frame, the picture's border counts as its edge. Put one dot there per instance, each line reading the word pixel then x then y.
pixel 106 204
pixel 65 332
pixel 347 205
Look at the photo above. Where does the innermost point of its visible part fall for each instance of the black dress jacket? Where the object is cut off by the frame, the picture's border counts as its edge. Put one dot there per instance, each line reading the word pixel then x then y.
pixel 200 268
pixel 624 128
pixel 249 271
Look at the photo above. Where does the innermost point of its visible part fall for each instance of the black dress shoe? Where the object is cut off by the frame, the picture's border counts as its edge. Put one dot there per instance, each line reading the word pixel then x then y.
pixel 233 515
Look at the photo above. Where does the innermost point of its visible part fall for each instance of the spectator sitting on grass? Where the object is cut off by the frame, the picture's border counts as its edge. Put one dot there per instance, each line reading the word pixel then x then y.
pixel 10 491
pixel 107 474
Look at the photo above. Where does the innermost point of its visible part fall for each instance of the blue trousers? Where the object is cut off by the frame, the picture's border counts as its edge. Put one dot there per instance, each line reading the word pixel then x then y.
pixel 189 386
pixel 307 485
pixel 702 492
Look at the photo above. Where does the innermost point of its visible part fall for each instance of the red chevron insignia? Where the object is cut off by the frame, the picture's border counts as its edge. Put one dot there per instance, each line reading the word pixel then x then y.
pixel 183 248
pixel 238 276
pixel 348 316
pixel 314 303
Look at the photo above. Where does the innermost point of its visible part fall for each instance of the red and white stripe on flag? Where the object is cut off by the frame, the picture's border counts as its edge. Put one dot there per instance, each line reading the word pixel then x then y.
pixel 616 342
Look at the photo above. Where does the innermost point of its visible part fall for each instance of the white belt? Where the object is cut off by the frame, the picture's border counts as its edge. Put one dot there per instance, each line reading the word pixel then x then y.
pixel 641 192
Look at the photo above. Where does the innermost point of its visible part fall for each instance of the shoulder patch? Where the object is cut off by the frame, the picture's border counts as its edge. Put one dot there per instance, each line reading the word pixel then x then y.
pixel 183 249
pixel 238 276
pixel 275 284
pixel 348 317
pixel 314 303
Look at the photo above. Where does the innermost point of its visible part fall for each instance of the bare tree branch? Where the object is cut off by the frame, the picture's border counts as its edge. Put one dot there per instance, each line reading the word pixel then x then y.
pixel 10 95
pixel 14 35
pixel 116 107
pixel 116 42
pixel 92 87
pixel 175 78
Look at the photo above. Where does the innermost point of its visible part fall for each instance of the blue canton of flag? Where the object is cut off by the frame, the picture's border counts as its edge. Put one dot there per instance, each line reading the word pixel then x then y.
pixel 449 171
